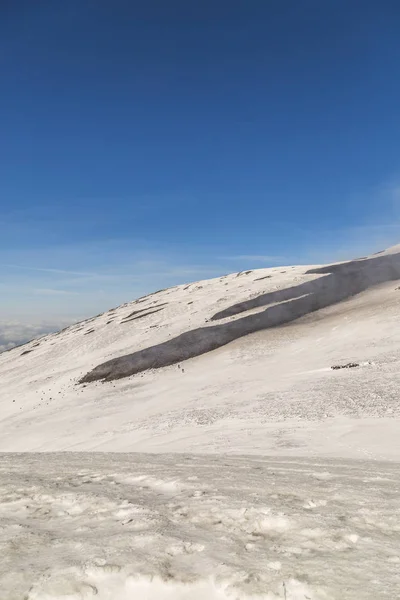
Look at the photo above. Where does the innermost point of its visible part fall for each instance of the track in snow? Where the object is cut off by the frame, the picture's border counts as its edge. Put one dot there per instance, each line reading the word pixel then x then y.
pixel 156 527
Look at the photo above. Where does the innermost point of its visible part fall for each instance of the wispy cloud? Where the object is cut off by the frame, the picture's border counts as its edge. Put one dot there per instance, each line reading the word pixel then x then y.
pixel 53 292
pixel 82 279
pixel 262 258
pixel 48 270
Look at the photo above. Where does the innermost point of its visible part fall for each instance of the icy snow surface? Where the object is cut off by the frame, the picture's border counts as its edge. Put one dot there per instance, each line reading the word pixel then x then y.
pixel 197 527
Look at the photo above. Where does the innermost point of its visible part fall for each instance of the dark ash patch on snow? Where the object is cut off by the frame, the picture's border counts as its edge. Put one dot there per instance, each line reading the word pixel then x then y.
pixel 143 314
pixel 142 310
pixel 266 277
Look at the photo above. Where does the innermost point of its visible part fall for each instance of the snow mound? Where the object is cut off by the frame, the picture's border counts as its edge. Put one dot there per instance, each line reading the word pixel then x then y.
pixel 105 586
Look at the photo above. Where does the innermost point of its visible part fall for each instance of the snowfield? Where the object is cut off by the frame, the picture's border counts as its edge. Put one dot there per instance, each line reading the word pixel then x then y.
pixel 194 527
pixel 269 392
pixel 205 443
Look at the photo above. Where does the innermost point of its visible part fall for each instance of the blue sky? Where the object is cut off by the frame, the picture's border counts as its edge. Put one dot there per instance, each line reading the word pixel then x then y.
pixel 147 144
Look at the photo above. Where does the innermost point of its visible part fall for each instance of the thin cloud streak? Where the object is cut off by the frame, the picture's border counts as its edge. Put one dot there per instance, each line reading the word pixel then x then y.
pixel 53 292
pixel 48 270
pixel 255 258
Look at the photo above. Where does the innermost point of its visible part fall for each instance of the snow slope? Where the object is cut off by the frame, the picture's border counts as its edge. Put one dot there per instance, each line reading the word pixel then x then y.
pixel 270 390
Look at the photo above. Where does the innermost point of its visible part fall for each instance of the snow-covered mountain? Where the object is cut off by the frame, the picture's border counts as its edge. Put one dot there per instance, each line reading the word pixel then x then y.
pixel 241 363
pixel 269 384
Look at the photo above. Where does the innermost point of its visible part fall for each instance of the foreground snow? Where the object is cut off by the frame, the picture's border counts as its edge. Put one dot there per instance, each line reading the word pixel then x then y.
pixel 180 527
